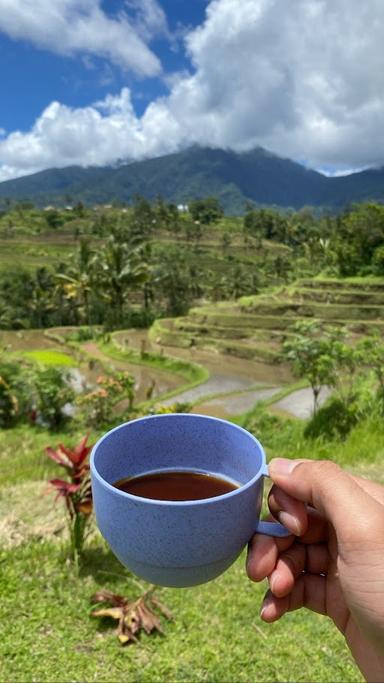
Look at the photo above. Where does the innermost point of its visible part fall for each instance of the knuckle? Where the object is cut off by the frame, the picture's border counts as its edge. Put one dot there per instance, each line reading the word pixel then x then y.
pixel 327 470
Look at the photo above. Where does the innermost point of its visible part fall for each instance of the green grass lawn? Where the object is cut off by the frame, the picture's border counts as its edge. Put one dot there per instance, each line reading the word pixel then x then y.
pixel 216 635
pixel 22 456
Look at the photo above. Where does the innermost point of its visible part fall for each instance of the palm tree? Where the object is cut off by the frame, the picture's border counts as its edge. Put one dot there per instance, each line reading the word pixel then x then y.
pixel 120 267
pixel 8 320
pixel 78 280
pixel 40 301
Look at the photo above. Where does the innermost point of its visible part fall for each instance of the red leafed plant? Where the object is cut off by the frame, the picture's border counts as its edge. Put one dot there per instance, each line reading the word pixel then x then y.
pixel 76 490
pixel 132 615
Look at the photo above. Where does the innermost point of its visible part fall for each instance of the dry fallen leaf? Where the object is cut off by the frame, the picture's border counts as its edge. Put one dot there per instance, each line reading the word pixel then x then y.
pixel 132 615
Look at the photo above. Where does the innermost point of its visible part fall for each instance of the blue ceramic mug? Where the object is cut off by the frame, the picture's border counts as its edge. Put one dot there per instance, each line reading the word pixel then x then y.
pixel 179 543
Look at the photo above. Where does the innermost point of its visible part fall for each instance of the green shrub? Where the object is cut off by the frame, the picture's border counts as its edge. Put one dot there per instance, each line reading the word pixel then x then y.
pixel 333 420
pixel 51 393
pixel 262 423
pixel 9 405
pixel 141 318
pixel 82 334
pixel 378 261
pixel 100 405
pixel 15 393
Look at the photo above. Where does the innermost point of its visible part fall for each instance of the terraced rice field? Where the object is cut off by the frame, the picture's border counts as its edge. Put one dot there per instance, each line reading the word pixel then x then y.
pixel 238 344
pixel 255 326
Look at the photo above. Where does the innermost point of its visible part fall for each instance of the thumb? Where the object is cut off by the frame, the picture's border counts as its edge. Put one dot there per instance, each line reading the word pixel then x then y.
pixel 353 513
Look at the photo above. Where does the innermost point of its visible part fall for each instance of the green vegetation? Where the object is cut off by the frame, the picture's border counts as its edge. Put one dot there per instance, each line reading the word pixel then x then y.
pixel 321 355
pixel 75 490
pixel 256 326
pixel 361 451
pixel 121 267
pixel 22 456
pixel 126 267
pixel 250 288
pixel 50 357
pixel 33 393
pixel 206 210
pixel 192 372
pixel 216 634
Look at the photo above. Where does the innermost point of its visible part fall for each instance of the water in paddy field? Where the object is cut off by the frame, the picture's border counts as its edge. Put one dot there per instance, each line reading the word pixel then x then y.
pixel 216 363
pixel 233 387
pixel 26 340
pixel 234 384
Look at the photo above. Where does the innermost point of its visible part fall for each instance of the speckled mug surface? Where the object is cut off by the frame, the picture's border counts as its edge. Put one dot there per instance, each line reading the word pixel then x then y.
pixel 179 543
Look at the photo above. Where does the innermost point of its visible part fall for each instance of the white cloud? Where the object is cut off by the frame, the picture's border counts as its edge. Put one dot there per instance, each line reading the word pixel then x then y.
pixel 80 26
pixel 149 18
pixel 304 79
pixel 94 135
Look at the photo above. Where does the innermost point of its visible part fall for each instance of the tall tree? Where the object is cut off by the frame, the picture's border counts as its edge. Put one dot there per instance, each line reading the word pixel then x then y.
pixel 206 210
pixel 41 298
pixel 120 269
pixel 79 279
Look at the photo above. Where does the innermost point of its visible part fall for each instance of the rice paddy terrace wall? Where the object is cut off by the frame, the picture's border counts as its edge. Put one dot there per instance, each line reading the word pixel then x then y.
pixel 255 326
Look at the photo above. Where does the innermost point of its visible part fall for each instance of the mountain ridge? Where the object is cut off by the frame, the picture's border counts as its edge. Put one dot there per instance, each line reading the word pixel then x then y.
pixel 258 176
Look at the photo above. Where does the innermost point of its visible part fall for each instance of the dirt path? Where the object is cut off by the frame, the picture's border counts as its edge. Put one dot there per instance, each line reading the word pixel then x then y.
pixel 28 510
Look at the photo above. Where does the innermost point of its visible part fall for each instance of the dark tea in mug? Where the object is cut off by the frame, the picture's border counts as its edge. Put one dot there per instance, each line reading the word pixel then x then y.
pixel 176 485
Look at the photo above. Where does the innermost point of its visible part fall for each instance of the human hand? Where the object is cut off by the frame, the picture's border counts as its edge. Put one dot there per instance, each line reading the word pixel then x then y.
pixel 334 562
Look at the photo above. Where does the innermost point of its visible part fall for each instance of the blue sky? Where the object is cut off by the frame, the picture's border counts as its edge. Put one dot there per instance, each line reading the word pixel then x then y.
pixel 32 76
pixel 90 82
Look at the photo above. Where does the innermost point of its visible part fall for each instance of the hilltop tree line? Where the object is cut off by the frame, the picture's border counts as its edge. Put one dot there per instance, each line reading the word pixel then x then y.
pixel 133 264
pixel 348 244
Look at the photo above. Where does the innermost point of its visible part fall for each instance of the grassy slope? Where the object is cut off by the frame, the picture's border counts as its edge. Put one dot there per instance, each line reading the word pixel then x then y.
pixel 29 246
pixel 216 635
pixel 31 254
pixel 362 451
pixel 22 456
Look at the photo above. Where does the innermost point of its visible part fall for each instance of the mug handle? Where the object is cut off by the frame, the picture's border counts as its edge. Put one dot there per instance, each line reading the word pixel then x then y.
pixel 271 528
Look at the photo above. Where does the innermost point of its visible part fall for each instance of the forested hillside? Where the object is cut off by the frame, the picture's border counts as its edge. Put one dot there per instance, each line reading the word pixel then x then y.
pixel 234 178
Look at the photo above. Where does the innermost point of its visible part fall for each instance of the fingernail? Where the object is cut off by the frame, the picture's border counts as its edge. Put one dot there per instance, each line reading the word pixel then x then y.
pixel 267 602
pixel 282 466
pixel 272 581
pixel 288 520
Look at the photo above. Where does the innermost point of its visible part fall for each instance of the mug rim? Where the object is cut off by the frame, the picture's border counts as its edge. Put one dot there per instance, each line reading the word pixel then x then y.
pixel 262 471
